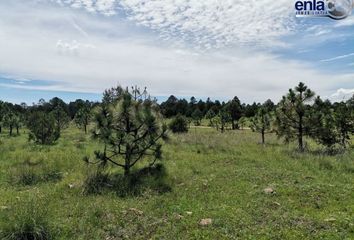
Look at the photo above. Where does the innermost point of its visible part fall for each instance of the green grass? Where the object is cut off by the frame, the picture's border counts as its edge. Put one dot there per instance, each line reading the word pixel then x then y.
pixel 212 175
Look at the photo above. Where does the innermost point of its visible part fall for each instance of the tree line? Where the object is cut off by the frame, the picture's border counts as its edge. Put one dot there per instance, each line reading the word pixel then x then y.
pixel 299 114
pixel 45 120
pixel 197 110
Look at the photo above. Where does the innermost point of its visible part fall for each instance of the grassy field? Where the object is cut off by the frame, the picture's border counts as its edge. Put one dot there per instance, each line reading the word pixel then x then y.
pixel 211 175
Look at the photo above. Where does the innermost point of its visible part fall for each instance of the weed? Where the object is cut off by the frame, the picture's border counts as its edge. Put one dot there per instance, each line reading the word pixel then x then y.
pixel 26 221
pixel 135 184
pixel 326 164
pixel 31 174
pixel 96 182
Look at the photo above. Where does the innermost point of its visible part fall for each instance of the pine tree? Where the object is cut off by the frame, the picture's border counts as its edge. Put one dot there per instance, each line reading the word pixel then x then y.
pixel 262 122
pixel 322 122
pixel 2 114
pixel 223 118
pixel 130 132
pixel 210 115
pixel 197 117
pixel 83 117
pixel 42 128
pixel 61 118
pixel 293 113
pixel 11 120
pixel 344 122
pixel 235 112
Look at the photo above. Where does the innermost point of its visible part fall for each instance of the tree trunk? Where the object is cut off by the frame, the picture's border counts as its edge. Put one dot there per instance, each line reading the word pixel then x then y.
pixel 10 130
pixel 127 149
pixel 300 136
pixel 126 170
pixel 85 129
pixel 233 124
pixel 263 138
pixel 17 130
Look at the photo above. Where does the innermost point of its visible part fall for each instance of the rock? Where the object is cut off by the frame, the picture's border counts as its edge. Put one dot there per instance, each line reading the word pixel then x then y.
pixel 269 190
pixel 205 222
pixel 71 186
pixel 4 207
pixel 179 217
pixel 189 213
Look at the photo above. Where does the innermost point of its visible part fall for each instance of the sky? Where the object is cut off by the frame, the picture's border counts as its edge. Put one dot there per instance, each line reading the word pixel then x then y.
pixel 252 49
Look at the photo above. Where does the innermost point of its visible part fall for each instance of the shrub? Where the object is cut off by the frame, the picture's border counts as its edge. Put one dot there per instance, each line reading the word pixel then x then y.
pixel 179 124
pixel 146 179
pixel 134 184
pixel 25 221
pixel 27 175
pixel 42 128
pixel 96 182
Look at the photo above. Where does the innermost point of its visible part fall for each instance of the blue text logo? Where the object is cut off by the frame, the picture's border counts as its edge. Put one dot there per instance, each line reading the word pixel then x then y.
pixel 335 9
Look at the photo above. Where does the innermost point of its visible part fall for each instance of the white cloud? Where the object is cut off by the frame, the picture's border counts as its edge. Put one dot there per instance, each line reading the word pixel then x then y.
pixel 72 47
pixel 207 23
pixel 214 22
pixel 342 94
pixel 42 43
pixel 106 7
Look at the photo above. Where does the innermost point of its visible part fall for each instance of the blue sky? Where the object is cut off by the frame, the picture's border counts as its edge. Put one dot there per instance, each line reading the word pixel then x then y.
pixel 251 49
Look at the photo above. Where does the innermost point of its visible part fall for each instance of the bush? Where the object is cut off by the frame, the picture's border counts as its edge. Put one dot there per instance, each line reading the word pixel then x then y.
pixel 25 176
pixel 146 179
pixel 25 221
pixel 179 124
pixel 28 175
pixel 96 182
pixel 42 128
pixel 134 184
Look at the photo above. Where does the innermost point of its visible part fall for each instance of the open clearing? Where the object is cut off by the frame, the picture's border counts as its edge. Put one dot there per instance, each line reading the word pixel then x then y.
pixel 241 189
